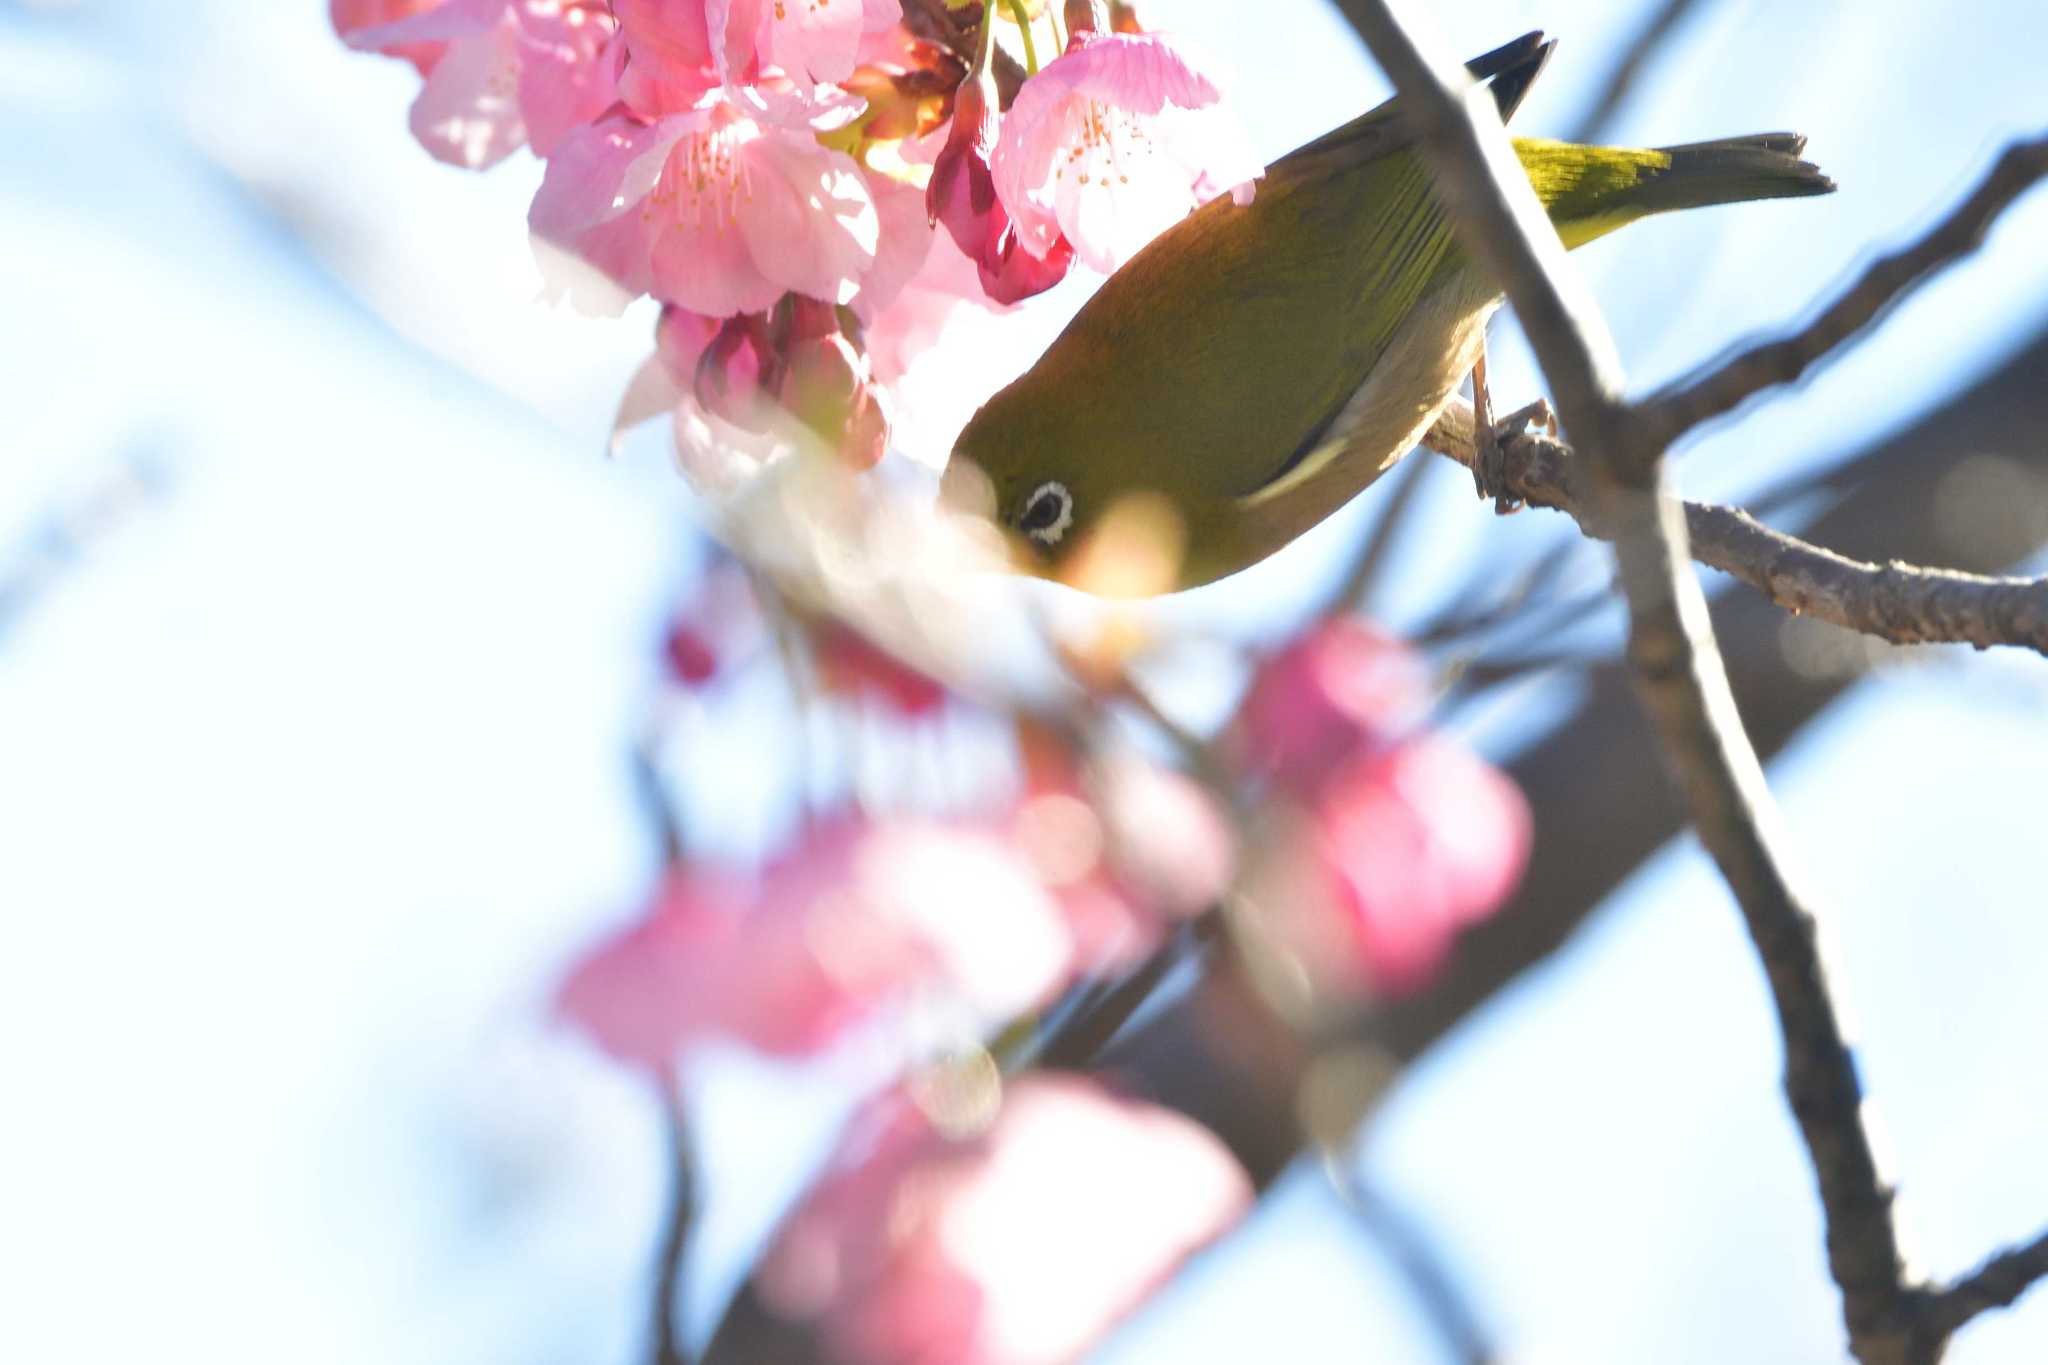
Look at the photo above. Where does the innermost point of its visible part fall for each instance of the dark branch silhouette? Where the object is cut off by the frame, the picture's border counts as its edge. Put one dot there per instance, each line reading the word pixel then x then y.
pixel 1679 409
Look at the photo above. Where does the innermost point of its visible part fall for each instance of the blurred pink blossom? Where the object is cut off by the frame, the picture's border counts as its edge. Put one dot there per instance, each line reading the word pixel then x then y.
pixel 715 628
pixel 1404 848
pixel 499 73
pixel 1113 142
pixel 854 917
pixel 1341 686
pixel 850 665
pixel 709 210
pixel 1129 848
pixel 1022 1245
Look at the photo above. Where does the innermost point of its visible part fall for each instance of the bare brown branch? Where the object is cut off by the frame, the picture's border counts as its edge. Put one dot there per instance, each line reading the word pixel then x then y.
pixel 1672 650
pixel 1998 1283
pixel 1677 410
pixel 1897 602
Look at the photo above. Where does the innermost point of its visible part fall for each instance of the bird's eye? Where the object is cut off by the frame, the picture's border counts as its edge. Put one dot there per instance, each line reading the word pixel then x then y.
pixel 1047 513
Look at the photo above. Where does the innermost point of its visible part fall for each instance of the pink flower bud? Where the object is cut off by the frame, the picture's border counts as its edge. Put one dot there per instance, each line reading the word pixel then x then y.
pixel 962 192
pixel 962 196
pixel 1011 274
pixel 827 385
pixel 736 372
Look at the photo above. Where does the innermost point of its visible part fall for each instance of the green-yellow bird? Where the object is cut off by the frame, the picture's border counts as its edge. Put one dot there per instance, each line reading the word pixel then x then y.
pixel 1251 370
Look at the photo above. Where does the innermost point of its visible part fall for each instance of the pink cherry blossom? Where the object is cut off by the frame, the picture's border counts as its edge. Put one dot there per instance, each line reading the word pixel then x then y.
pixel 1113 142
pixel 1404 848
pixel 856 916
pixel 353 16
pixel 499 73
pixel 962 196
pixel 1340 686
pixel 850 666
pixel 1129 848
pixel 779 58
pixel 1021 1245
pixel 716 628
pixel 707 210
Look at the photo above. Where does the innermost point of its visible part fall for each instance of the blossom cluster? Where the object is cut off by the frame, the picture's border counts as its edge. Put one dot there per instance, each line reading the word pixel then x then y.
pixel 810 192
pixel 814 196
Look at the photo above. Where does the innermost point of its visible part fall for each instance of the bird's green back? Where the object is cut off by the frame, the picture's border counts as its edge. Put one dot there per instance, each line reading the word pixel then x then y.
pixel 1215 366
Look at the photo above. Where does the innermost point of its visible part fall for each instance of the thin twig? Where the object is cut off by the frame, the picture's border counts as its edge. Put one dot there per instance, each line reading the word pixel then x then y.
pixel 1413 1253
pixel 933 22
pixel 1649 40
pixel 1898 602
pixel 1078 1040
pixel 1676 664
pixel 667 1307
pixel 1674 411
pixel 1998 1283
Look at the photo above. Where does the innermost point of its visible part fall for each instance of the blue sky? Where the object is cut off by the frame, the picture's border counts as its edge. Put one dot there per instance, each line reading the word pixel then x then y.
pixel 311 776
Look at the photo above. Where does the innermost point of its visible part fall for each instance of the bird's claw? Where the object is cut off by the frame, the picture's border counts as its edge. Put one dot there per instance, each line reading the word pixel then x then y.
pixel 1489 462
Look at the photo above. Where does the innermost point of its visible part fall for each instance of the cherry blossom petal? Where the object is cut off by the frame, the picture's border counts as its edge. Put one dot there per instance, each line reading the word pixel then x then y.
pixel 1143 73
pixel 568 71
pixel 916 1246
pixel 1341 686
pixel 467 113
pixel 398 23
pixel 1111 143
pixel 641 993
pixel 806 217
pixel 668 62
pixel 707 268
pixel 903 241
pixel 603 171
pixel 1403 849
pixel 818 39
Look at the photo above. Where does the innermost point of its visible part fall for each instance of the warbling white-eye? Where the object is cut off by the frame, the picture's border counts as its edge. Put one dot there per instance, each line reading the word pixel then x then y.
pixel 1255 366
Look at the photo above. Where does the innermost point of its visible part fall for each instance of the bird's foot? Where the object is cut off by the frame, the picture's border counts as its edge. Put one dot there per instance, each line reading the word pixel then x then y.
pixel 1489 456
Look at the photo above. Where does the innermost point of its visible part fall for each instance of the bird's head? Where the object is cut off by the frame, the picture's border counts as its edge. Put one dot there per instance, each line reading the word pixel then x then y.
pixel 1067 506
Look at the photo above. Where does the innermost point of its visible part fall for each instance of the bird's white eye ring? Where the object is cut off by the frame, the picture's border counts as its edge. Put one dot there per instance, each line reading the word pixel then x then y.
pixel 1048 512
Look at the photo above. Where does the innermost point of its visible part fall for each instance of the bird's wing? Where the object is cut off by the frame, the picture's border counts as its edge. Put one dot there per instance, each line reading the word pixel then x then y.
pixel 1413 245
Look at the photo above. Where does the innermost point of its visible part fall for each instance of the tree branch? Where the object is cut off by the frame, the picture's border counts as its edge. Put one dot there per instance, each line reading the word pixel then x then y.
pixel 1671 648
pixel 666 1309
pixel 1998 1283
pixel 1676 410
pixel 1898 602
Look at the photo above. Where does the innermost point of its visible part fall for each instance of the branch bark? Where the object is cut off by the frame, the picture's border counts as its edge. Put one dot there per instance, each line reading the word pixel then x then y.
pixel 1898 602
pixel 1676 663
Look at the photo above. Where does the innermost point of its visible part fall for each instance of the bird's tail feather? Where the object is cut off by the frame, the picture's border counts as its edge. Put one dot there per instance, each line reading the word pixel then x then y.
pixel 1731 170
pixel 1590 191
